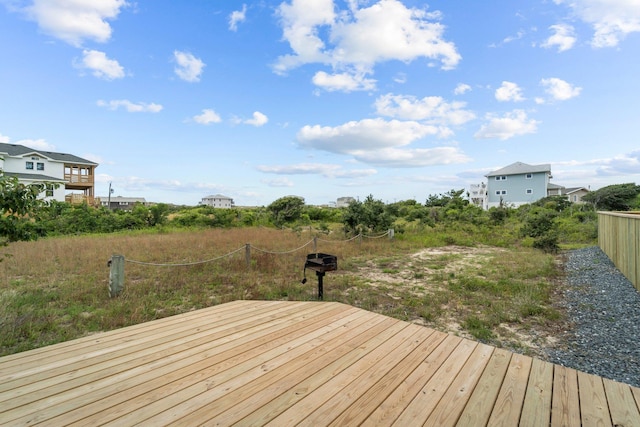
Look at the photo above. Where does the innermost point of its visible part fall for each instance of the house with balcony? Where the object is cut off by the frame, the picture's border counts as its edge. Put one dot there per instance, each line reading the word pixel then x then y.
pixel 74 176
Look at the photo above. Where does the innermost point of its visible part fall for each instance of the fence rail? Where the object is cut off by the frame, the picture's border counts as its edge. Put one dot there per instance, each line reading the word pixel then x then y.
pixel 619 238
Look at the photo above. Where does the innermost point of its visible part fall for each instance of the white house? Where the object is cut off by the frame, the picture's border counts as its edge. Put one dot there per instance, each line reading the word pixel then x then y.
pixel 518 184
pixel 70 172
pixel 217 201
pixel 344 202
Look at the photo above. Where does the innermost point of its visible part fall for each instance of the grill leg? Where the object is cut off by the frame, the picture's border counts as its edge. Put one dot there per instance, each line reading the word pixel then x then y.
pixel 320 275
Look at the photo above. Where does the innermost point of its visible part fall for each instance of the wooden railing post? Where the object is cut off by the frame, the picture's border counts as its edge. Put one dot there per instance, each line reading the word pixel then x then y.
pixel 247 254
pixel 116 275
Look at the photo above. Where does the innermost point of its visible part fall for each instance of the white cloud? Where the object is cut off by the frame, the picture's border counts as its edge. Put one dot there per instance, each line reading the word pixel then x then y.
pixel 326 170
pixel 509 92
pixel 237 16
pixel 563 37
pixel 461 89
pixel 189 67
pixel 432 109
pixel 258 119
pixel 511 124
pixel 101 66
pixel 367 134
pixel 611 20
pixel 77 20
pixel 4 139
pixel 344 82
pixel 559 89
pixel 380 142
pixel 278 182
pixel 131 107
pixel 353 41
pixel 207 117
pixel 418 157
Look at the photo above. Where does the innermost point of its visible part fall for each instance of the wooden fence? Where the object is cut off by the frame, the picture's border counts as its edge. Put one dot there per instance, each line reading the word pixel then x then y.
pixel 619 238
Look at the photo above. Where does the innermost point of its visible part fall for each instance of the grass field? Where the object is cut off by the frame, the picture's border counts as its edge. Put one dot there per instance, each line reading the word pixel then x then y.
pixel 56 289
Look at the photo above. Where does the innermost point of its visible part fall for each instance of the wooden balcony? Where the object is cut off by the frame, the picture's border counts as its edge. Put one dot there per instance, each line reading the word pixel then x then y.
pixel 78 199
pixel 285 363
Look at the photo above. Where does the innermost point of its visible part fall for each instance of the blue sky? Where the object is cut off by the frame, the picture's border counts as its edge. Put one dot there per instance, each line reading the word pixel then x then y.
pixel 177 100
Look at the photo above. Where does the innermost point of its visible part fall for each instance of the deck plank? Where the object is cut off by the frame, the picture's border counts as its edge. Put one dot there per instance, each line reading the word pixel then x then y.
pixel 297 363
pixel 480 405
pixel 625 414
pixel 536 410
pixel 565 405
pixel 452 404
pixel 593 401
pixel 434 389
pixel 508 405
pixel 391 408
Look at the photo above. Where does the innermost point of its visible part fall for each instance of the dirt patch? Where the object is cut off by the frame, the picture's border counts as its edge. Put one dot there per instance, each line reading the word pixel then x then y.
pixel 426 272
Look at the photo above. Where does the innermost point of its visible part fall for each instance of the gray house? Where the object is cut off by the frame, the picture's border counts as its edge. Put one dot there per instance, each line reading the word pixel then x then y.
pixel 518 184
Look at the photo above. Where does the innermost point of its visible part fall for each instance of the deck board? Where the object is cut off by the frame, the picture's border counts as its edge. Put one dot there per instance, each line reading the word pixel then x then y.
pixel 286 363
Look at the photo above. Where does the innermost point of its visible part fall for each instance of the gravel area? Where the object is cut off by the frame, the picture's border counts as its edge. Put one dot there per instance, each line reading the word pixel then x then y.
pixel 603 309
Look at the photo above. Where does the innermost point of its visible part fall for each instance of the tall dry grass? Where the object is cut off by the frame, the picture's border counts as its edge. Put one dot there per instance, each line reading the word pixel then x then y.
pixel 57 288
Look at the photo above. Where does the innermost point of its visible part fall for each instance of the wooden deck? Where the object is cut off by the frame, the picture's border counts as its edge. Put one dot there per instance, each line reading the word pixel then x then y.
pixel 298 363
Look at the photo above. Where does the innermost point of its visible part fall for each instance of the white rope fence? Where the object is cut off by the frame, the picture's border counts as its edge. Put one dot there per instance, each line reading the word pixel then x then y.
pixel 116 263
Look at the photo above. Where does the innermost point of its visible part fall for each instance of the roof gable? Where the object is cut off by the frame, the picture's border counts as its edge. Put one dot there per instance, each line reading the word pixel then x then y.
pixel 15 150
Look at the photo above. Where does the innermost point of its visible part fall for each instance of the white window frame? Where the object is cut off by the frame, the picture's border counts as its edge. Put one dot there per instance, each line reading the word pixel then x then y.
pixel 529 191
pixel 529 176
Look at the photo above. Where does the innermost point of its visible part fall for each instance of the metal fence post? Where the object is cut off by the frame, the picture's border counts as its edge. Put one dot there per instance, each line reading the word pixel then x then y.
pixel 116 275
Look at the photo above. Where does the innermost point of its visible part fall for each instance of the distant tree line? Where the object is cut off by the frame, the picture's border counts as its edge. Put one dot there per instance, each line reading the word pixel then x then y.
pixel 23 216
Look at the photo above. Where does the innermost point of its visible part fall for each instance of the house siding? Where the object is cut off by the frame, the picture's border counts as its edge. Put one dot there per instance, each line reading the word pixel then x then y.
pixel 516 189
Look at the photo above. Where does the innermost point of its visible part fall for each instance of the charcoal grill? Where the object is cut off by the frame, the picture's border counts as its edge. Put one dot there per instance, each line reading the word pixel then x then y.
pixel 320 263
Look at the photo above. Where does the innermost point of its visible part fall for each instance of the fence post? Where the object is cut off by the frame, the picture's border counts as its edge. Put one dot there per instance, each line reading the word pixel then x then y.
pixel 247 254
pixel 391 233
pixel 116 275
pixel 315 244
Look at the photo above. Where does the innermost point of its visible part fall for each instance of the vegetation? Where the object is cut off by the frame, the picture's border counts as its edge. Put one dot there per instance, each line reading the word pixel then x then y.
pixel 492 282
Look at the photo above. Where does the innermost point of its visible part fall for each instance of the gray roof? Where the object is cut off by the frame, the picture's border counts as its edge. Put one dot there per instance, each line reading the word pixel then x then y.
pixel 519 168
pixel 20 150
pixel 34 177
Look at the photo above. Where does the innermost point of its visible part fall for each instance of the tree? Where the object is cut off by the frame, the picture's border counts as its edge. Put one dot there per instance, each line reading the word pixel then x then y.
pixel 286 209
pixel 368 216
pixel 19 204
pixel 617 197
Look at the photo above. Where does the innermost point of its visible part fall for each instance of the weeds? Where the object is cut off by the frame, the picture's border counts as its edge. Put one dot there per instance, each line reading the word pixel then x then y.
pixel 56 289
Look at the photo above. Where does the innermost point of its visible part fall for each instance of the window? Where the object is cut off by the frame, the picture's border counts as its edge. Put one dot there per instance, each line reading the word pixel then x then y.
pixel 30 166
pixel 529 176
pixel 500 192
pixel 49 190
pixel 575 198
pixel 529 191
pixel 40 166
pixel 501 178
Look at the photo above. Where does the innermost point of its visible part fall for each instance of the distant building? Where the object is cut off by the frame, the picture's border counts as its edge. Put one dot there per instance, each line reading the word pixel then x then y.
pixel 478 195
pixel 70 172
pixel 517 184
pixel 217 201
pixel 344 202
pixel 121 203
